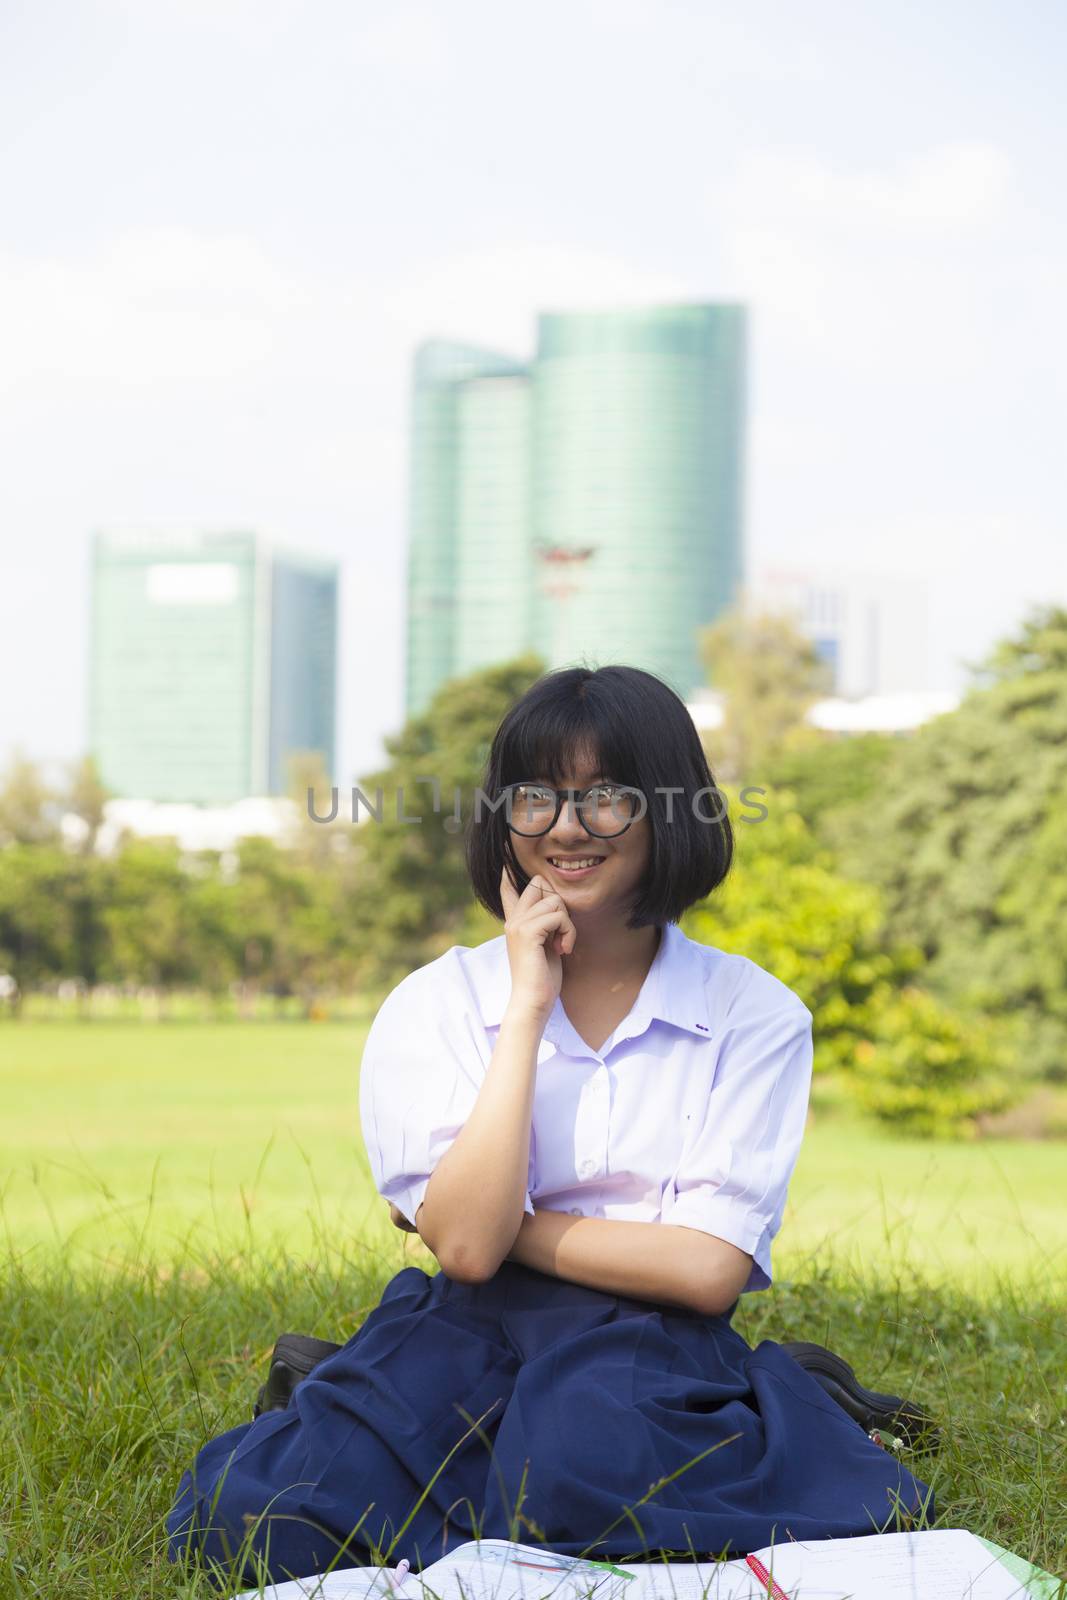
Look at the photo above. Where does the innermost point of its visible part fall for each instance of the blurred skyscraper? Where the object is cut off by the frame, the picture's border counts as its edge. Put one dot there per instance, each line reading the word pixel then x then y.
pixel 469 513
pixel 586 504
pixel 212 659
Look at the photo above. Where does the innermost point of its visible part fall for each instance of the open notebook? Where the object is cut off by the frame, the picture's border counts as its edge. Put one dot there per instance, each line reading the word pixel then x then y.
pixel 936 1564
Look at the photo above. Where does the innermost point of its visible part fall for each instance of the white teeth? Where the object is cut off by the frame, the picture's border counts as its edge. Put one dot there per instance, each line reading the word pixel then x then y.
pixel 573 866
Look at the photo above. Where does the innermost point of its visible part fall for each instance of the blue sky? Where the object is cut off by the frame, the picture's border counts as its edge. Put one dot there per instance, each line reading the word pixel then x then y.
pixel 224 224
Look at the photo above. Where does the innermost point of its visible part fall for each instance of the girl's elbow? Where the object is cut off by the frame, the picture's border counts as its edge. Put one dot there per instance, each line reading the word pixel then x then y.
pixel 464 1263
pixel 461 1257
pixel 719 1282
pixel 714 1303
pixel 464 1267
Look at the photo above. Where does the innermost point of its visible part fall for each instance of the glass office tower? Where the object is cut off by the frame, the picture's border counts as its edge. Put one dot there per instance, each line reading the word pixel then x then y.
pixel 457 474
pixel 212 659
pixel 494 570
pixel 636 509
pixel 591 507
pixel 303 663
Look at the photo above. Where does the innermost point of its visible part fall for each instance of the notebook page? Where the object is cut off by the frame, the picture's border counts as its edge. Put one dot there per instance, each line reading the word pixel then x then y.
pixel 936 1564
pixel 506 1571
pixel 698 1580
pixel 347 1583
pixel 502 1569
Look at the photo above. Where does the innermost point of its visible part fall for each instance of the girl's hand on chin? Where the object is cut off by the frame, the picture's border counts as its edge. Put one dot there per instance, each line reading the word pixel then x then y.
pixel 539 933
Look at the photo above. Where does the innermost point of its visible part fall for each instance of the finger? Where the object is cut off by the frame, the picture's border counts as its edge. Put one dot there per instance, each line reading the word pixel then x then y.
pixel 535 891
pixel 552 905
pixel 561 941
pixel 555 918
pixel 511 899
pixel 550 898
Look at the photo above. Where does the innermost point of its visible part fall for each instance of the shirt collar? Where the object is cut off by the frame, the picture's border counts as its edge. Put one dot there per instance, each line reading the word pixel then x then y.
pixel 674 989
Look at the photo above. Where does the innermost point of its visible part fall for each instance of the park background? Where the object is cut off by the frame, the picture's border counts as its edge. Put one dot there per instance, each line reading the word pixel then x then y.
pixel 183 1176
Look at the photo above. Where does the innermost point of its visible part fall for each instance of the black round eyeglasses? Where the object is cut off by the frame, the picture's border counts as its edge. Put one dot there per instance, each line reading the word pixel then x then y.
pixel 604 809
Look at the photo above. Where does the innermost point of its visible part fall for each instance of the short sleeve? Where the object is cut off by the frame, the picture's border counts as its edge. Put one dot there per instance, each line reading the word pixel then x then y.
pixel 734 1173
pixel 419 1079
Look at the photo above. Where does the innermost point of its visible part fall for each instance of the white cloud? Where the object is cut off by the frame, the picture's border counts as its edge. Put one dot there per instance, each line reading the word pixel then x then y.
pixel 869 270
pixel 728 44
pixel 411 42
pixel 247 20
pixel 492 295
pixel 172 303
pixel 949 188
pixel 167 303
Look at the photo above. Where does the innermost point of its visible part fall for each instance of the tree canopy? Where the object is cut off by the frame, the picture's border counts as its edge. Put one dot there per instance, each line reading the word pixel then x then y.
pixel 770 675
pixel 966 836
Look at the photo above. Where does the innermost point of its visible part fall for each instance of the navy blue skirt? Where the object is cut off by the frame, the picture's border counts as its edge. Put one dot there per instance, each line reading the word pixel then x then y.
pixel 542 1411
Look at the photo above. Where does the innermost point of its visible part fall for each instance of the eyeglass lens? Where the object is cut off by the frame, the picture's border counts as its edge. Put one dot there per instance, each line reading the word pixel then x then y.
pixel 605 810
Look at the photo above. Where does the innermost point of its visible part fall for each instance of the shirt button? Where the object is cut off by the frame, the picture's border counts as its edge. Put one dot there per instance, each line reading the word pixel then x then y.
pixel 587 1169
pixel 576 1211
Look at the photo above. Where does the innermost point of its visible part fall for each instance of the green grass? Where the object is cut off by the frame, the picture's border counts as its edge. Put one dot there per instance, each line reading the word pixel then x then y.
pixel 151 1172
pixel 113 1382
pixel 123 1139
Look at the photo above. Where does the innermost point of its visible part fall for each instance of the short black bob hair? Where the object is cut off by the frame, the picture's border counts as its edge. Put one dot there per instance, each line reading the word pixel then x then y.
pixel 640 733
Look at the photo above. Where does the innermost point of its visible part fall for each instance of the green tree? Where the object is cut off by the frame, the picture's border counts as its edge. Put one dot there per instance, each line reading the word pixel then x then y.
pixel 929 1072
pixel 30 806
pixel 149 917
pixel 965 836
pixel 838 770
pixel 85 796
pixel 290 922
pixel 786 907
pixel 770 675
pixel 38 915
pixel 217 937
pixel 316 839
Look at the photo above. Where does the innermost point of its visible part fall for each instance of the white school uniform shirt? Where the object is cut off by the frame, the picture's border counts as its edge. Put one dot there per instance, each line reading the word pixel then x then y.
pixel 691 1113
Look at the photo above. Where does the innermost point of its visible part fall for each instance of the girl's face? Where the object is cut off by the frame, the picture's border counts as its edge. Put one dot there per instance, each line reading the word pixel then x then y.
pixel 610 887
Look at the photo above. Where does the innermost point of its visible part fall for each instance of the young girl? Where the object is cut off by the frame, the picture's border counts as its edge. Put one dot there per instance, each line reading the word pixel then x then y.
pixel 592 1122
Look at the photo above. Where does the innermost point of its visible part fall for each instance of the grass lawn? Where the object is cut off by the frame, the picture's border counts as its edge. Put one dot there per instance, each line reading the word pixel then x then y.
pixel 150 1171
pixel 136 1139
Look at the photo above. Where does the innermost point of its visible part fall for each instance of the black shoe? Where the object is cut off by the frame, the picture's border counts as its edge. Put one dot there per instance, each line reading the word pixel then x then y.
pixel 877 1414
pixel 294 1356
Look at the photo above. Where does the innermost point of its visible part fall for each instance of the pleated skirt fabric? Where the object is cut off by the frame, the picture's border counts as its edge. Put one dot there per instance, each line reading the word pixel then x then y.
pixel 541 1411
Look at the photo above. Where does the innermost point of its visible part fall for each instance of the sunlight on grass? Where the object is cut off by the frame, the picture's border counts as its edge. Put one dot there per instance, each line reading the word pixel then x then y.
pixel 175 1197
pixel 114 1377
pixel 129 1141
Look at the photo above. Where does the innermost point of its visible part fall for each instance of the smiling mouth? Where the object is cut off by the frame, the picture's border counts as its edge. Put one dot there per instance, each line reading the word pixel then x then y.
pixel 575 863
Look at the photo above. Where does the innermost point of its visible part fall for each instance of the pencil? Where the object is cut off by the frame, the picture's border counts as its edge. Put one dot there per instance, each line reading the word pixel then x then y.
pixel 774 1589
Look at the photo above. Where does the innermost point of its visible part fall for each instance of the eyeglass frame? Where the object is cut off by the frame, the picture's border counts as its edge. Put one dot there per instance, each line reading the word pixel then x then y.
pixel 508 789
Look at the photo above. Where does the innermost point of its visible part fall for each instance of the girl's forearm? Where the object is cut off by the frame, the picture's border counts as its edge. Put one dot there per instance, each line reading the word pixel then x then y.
pixel 474 1200
pixel 646 1260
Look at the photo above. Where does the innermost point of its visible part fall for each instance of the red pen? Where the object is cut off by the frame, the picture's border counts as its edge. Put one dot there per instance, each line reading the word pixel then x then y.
pixel 774 1589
